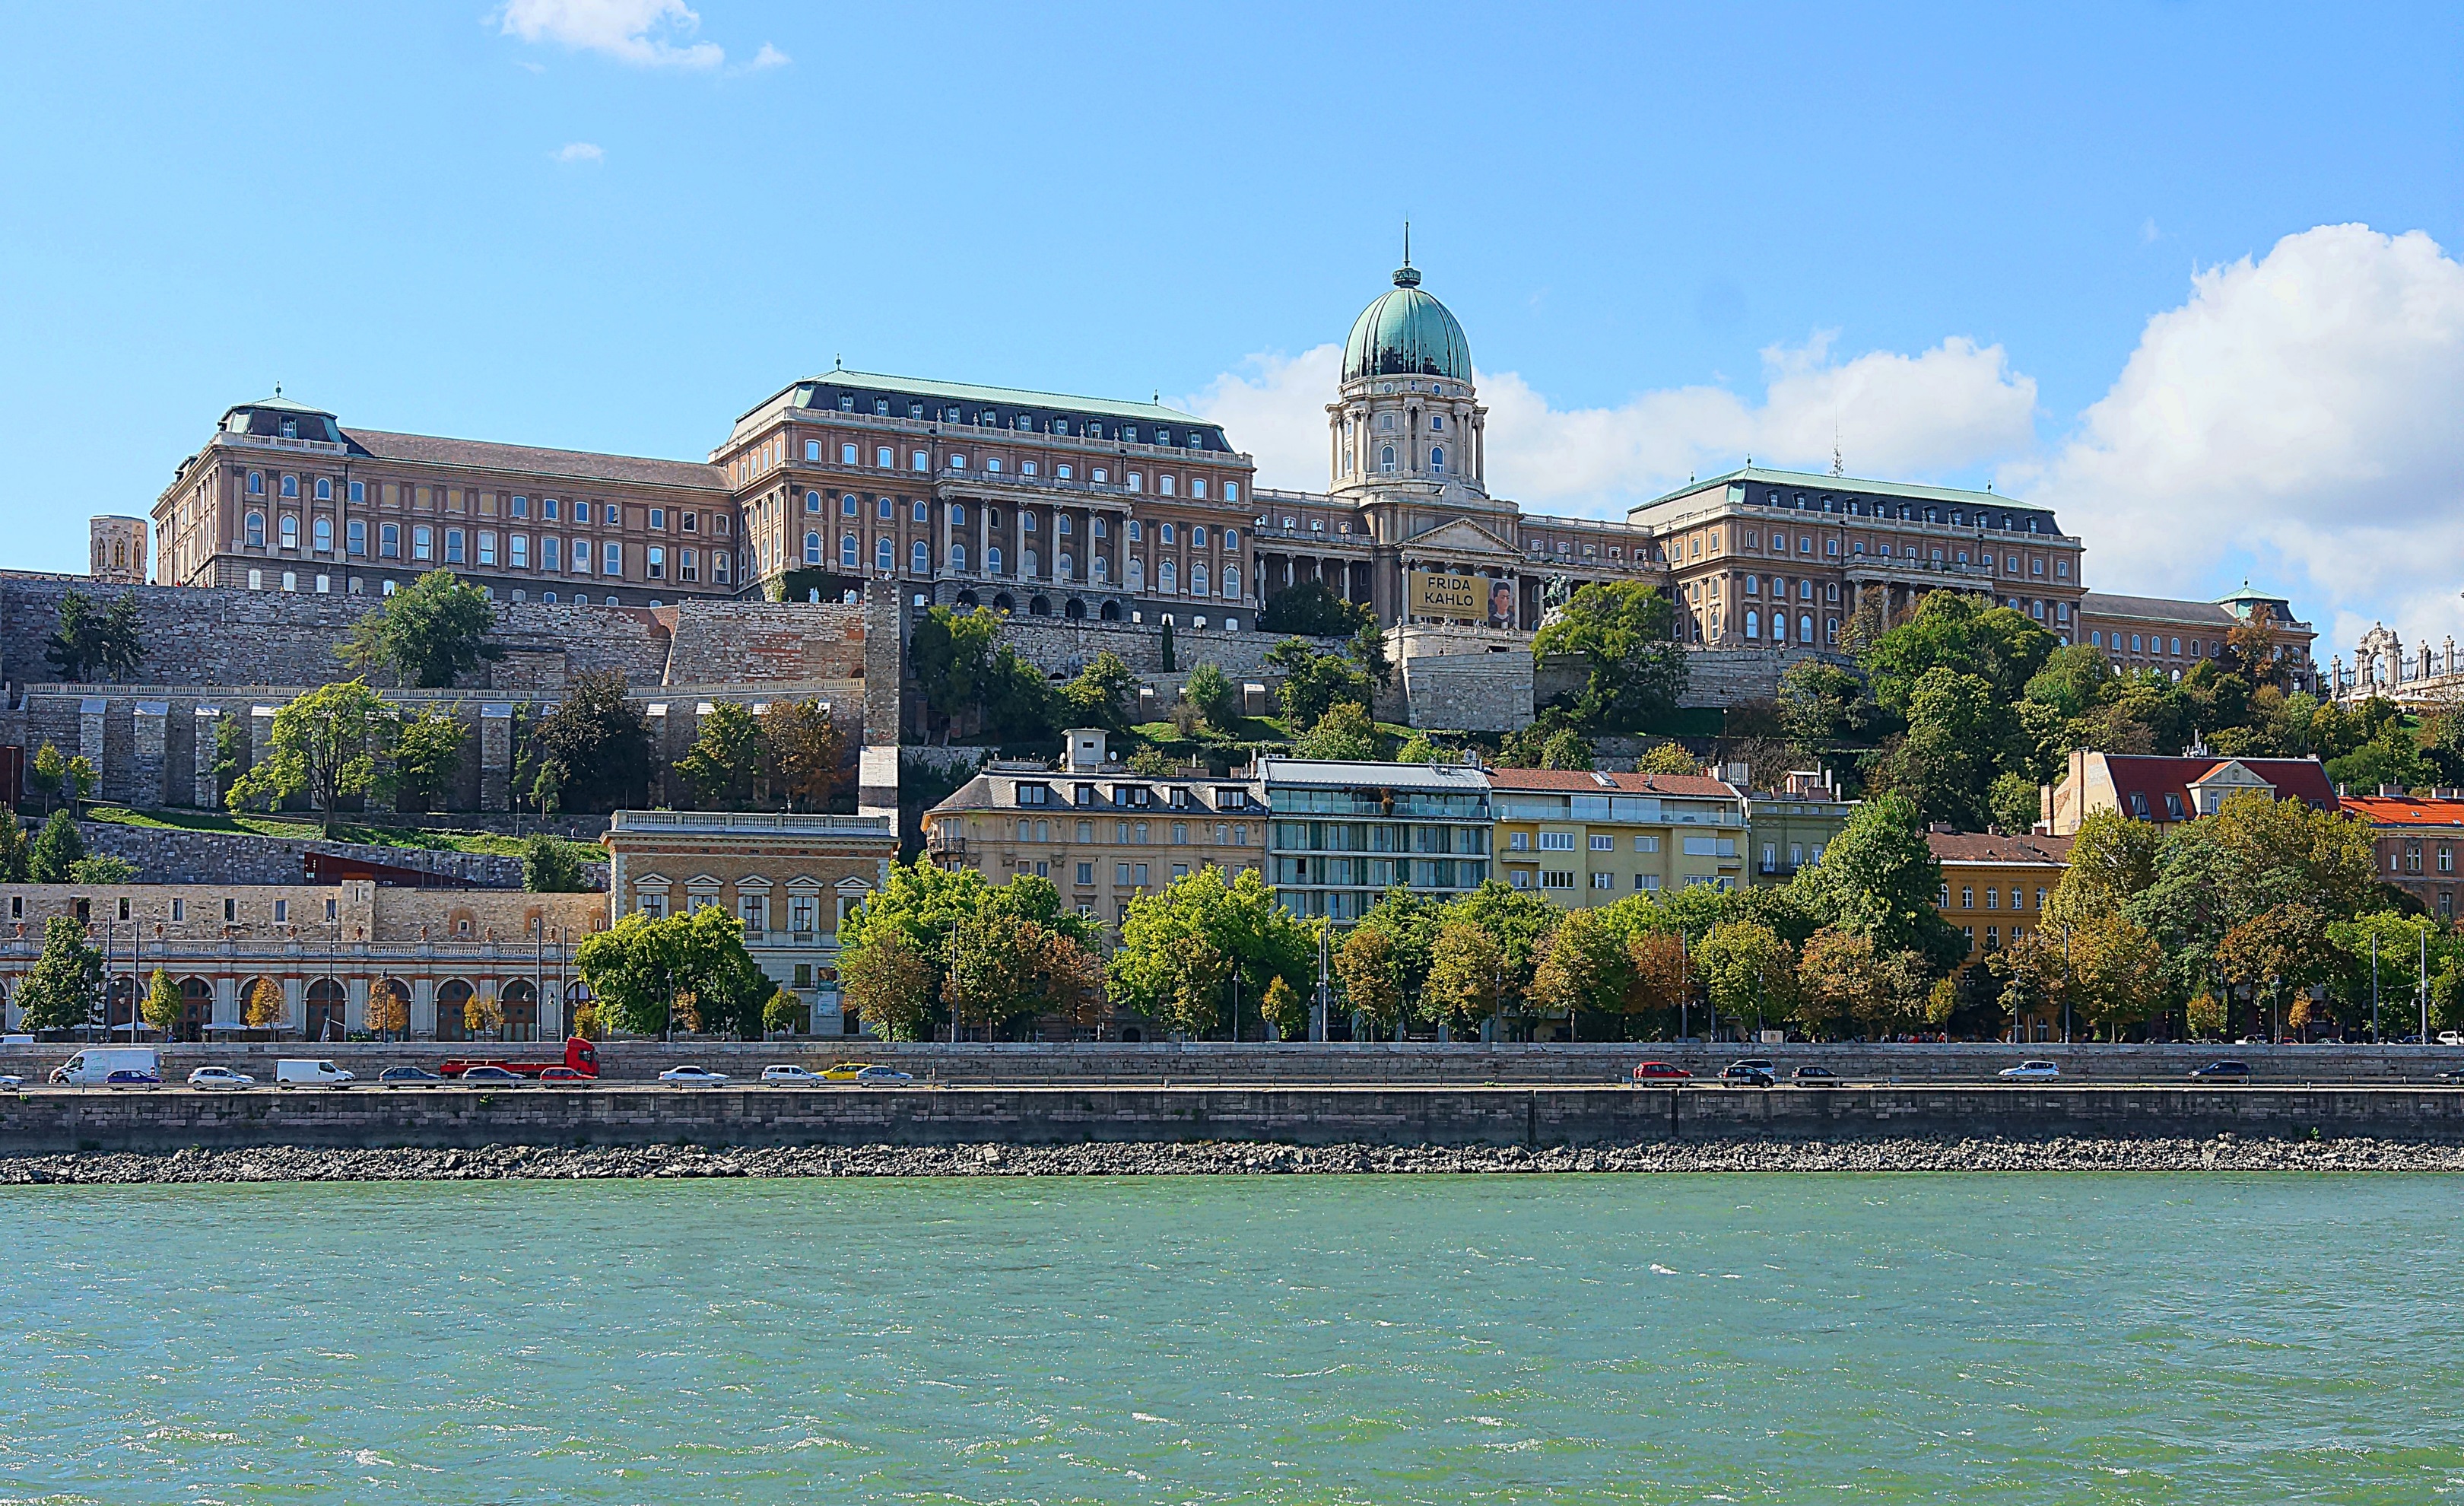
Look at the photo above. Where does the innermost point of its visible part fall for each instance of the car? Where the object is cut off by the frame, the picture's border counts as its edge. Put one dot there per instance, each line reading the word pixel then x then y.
pixel 407 1077
pixel 2451 1038
pixel 2226 1071
pixel 1753 1072
pixel 790 1074
pixel 844 1070
pixel 11 1083
pixel 693 1076
pixel 133 1078
pixel 219 1080
pixel 1661 1072
pixel 560 1075
pixel 2451 1075
pixel 884 1078
pixel 1814 1077
pixel 494 1077
pixel 2032 1072
pixel 2253 1040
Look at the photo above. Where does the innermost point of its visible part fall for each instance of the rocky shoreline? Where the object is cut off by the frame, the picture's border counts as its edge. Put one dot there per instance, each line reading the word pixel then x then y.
pixel 502 1162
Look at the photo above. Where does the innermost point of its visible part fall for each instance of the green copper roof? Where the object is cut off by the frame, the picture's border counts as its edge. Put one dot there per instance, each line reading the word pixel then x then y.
pixel 1406 333
pixel 969 392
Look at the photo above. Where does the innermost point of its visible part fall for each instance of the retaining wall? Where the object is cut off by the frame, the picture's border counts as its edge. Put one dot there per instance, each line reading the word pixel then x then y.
pixel 171 857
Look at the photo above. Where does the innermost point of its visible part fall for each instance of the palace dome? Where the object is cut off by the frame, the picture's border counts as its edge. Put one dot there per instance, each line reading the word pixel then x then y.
pixel 1406 333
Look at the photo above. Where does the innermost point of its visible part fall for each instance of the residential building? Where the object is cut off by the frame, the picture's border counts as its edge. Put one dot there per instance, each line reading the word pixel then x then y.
pixel 1342 834
pixel 2172 637
pixel 1103 835
pixel 1788 828
pixel 1994 887
pixel 2170 790
pixel 789 878
pixel 2418 840
pixel 1584 839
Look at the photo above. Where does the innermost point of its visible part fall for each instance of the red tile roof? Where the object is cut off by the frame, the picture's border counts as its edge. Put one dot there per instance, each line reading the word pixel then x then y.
pixel 2404 811
pixel 1987 847
pixel 1582 781
pixel 2152 779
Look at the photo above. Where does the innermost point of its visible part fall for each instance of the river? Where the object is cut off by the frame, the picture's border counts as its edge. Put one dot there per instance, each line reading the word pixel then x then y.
pixel 2056 1337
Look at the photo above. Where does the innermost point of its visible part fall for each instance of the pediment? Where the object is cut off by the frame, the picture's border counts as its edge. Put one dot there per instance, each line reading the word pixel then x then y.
pixel 652 882
pixel 2231 771
pixel 852 885
pixel 1460 536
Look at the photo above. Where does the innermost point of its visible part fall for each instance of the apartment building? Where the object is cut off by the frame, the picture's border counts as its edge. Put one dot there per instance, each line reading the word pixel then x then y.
pixel 1583 839
pixel 1341 833
pixel 1993 887
pixel 2418 842
pixel 1788 828
pixel 2167 791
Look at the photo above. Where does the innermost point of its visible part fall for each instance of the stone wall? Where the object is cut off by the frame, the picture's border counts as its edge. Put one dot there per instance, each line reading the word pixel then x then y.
pixel 171 857
pixel 1060 645
pixel 1729 677
pixel 1466 679
pixel 764 643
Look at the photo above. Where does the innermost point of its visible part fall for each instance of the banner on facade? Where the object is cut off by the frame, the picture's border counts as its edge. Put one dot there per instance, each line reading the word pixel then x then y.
pixel 1457 598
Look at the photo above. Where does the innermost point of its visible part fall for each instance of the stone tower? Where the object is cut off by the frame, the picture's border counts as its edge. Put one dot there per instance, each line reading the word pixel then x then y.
pixel 119 550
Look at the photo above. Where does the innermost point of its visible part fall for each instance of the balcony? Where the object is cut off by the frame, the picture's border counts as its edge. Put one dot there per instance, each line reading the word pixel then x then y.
pixel 275 442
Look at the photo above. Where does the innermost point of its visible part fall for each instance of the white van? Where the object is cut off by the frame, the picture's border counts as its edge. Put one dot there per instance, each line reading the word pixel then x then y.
pixel 307 1071
pixel 93 1066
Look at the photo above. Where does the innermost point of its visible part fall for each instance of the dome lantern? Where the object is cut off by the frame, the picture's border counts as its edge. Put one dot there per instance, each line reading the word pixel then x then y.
pixel 1406 332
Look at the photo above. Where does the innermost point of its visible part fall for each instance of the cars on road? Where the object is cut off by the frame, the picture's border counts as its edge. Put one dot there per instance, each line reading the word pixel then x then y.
pixel 2224 1071
pixel 2451 1038
pixel 409 1078
pixel 1814 1077
pixel 691 1075
pixel 1661 1072
pixel 883 1077
pixel 2030 1072
pixel 10 1083
pixel 844 1070
pixel 219 1080
pixel 1754 1072
pixel 133 1078
pixel 787 1075
pixel 309 1071
pixel 491 1077
pixel 96 1065
pixel 551 1076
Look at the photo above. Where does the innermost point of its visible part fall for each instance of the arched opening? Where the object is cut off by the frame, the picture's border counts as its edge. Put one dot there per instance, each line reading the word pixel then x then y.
pixel 1131 1034
pixel 196 1008
pixel 324 1019
pixel 1110 612
pixel 261 1005
pixel 1039 607
pixel 521 1002
pixel 1003 602
pixel 1073 608
pixel 967 599
pixel 120 1002
pixel 577 995
pixel 452 1011
pixel 389 1009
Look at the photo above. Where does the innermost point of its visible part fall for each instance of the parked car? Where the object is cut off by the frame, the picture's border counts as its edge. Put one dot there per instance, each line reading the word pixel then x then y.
pixel 95 1064
pixel 1814 1077
pixel 1753 1072
pixel 2226 1071
pixel 1661 1072
pixel 553 1075
pixel 693 1076
pixel 884 1078
pixel 788 1075
pixel 409 1078
pixel 2032 1072
pixel 11 1083
pixel 2451 1075
pixel 308 1072
pixel 219 1080
pixel 132 1077
pixel 491 1077
pixel 2451 1038
pixel 844 1070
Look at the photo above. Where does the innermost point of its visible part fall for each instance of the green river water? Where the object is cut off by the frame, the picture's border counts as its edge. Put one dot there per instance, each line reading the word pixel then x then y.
pixel 1668 1338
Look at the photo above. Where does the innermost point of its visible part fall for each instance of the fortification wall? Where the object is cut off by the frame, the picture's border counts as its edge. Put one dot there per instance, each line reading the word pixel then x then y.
pixel 171 857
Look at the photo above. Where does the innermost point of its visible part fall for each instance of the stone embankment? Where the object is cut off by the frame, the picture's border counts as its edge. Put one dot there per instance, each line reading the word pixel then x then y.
pixel 498 1162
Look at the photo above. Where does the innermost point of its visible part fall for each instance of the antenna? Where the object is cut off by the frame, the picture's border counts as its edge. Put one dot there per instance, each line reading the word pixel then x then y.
pixel 1407 243
pixel 1837 469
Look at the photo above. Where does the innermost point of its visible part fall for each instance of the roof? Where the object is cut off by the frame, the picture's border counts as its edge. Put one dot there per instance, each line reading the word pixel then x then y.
pixel 1406 332
pixel 1813 482
pixel 2101 604
pixel 2303 778
pixel 580 465
pixel 1990 847
pixel 2406 811
pixel 971 392
pixel 1350 773
pixel 278 404
pixel 1583 781
pixel 983 791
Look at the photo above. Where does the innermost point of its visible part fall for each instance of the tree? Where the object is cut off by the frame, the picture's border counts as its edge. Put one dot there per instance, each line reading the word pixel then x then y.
pixel 950 653
pixel 1516 920
pixel 80 778
pixel 645 972
pixel 1344 732
pixel 1369 652
pixel 228 755
pixel 1657 969
pixel 1837 980
pixel 16 854
pixel 2033 978
pixel 783 1015
pixel 2205 1015
pixel 1748 971
pixel 482 1015
pixel 427 753
pixel 2015 803
pixel 63 988
pixel 1947 758
pixel 1666 758
pixel 1103 695
pixel 891 985
pixel 323 743
pixel 2112 861
pixel 1174 943
pixel 2073 679
pixel 1420 748
pixel 1007 968
pixel 598 741
pixel 1313 682
pixel 1965 635
pixel 104 869
pixel 1364 968
pixel 2283 851
pixel 429 634
pixel 161 1008
pixel 2115 975
pixel 1622 629
pixel 551 867
pixel 1466 979
pixel 1149 761
pixel 1878 880
pixel 388 1009
pixel 262 1008
pixel 1581 969
pixel 1283 1009
pixel 1018 702
pixel 1820 705
pixel 2279 950
pixel 57 850
pixel 48 774
pixel 1312 608
pixel 86 644
pixel 2390 759
pixel 724 760
pixel 1217 699
pixel 1567 748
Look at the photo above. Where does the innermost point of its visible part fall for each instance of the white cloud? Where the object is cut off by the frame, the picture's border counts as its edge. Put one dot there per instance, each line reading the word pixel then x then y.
pixel 768 57
pixel 1955 405
pixel 2298 417
pixel 645 32
pixel 577 151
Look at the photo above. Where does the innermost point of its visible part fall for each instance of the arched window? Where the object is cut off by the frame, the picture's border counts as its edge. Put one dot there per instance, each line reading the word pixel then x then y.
pixel 1062 567
pixel 1438 457
pixel 1165 536
pixel 257 530
pixel 325 488
pixel 1167 576
pixel 291 486
pixel 1027 563
pixel 1232 582
pixel 323 533
pixel 812 548
pixel 1779 627
pixel 257 484
pixel 993 558
pixel 1198 579
pixel 290 531
pixel 1198 536
pixel 1386 457
pixel 957 514
pixel 885 555
pixel 1102 569
pixel 812 502
pixel 920 558
pixel 848 558
pixel 1137 573
pixel 1231 538
pixel 958 557
pixel 1804 628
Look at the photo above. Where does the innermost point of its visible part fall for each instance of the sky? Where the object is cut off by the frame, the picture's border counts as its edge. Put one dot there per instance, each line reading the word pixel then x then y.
pixel 2189 272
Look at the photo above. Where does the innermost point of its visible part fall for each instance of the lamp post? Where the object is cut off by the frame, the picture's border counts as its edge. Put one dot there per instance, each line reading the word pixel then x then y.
pixel 2374 989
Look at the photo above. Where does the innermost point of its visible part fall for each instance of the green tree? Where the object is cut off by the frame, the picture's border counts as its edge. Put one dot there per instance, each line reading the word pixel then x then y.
pixel 1365 968
pixel 1748 972
pixel 891 985
pixel 1420 748
pixel 1582 968
pixel 48 774
pixel 2276 951
pixel 80 779
pixel 86 645
pixel 1215 695
pixel 1369 652
pixel 1838 980
pixel 1464 978
pixel 427 753
pixel 1624 630
pixel 551 867
pixel 1019 703
pixel 783 1015
pixel 229 754
pixel 161 1008
pixel 2389 759
pixel 1964 635
pixel 2397 944
pixel 1947 757
pixel 599 741
pixel 431 634
pixel 2115 974
pixel 1285 1010
pixel 2073 679
pixel 1103 695
pixel 1878 880
pixel 2112 863
pixel 950 653
pixel 1313 682
pixel 724 760
pixel 1314 610
pixel 1345 731
pixel 1822 705
pixel 104 869
pixel 64 985
pixel 1516 920
pixel 2015 802
pixel 16 854
pixel 1165 965
pixel 57 850
pixel 918 906
pixel 1411 920
pixel 323 745
pixel 1567 748
pixel 1005 967
pixel 644 973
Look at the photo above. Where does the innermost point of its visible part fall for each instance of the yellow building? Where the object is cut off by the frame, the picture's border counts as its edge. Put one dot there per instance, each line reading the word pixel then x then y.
pixel 1584 839
pixel 1994 888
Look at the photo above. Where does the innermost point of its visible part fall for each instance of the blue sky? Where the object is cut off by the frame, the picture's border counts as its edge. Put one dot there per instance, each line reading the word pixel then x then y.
pixel 1969 238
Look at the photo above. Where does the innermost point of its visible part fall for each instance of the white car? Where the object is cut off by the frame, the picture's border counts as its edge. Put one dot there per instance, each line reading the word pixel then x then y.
pixel 12 1084
pixel 2032 1072
pixel 219 1080
pixel 2451 1038
pixel 691 1076
pixel 884 1078
pixel 792 1076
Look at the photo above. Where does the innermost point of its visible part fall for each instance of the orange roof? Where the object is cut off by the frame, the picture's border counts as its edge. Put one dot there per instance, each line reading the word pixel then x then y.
pixel 1987 847
pixel 2406 811
pixel 1583 781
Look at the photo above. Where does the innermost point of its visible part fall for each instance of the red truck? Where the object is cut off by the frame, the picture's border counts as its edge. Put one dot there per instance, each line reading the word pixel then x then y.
pixel 579 1054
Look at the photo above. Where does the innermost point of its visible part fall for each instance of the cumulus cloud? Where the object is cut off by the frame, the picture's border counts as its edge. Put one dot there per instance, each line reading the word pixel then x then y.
pixel 768 57
pixel 1956 405
pixel 577 151
pixel 2296 417
pixel 645 33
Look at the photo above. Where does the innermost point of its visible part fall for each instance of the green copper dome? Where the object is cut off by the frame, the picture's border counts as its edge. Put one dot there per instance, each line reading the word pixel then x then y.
pixel 1406 333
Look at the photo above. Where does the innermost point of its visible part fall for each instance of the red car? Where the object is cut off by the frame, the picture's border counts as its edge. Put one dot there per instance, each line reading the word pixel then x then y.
pixel 1661 1072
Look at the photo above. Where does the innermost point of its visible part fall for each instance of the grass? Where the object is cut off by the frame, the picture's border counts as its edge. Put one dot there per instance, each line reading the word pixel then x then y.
pixel 294 829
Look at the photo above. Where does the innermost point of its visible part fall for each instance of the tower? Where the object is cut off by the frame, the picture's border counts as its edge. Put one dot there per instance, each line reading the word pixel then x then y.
pixel 118 549
pixel 1407 415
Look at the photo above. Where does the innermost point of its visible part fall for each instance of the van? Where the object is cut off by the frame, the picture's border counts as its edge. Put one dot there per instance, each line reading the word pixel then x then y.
pixel 307 1071
pixel 93 1066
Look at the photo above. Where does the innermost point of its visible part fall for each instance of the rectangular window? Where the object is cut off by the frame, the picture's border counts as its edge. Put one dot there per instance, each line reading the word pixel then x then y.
pixel 453 545
pixel 487 547
pixel 655 564
pixel 613 561
pixel 422 544
pixel 1646 844
pixel 358 536
pixel 1603 844
pixel 1556 841
pixel 518 551
pixel 1701 846
pixel 1557 878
